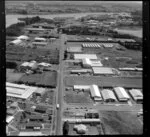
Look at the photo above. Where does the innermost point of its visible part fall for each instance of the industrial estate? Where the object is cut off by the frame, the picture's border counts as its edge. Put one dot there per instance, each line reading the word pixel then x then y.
pixel 68 76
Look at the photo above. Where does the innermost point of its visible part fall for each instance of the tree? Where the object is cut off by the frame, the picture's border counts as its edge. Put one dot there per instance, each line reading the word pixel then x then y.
pixel 66 128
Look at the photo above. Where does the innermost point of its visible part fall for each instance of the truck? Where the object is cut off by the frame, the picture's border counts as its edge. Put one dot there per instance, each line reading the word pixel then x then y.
pixel 57 106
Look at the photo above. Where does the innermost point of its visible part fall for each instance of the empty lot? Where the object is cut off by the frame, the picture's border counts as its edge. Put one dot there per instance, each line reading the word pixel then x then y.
pixel 121 123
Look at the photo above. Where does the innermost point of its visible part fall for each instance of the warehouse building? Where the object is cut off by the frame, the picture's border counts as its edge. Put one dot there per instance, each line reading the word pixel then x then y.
pixel 102 71
pixel 83 56
pixel 136 95
pixel 95 93
pixel 16 42
pixel 108 95
pixel 23 37
pixel 121 94
pixel 93 45
pixel 74 49
pixel 86 62
pixel 81 87
pixel 19 91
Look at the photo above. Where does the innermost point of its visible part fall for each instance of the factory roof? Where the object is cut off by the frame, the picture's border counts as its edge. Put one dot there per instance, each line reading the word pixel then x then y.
pixel 82 56
pixel 74 49
pixel 121 93
pixel 102 70
pixel 136 93
pixel 108 94
pixel 95 91
pixel 27 133
pixel 41 39
pixel 81 87
pixel 92 63
pixel 19 91
pixel 16 42
pixel 91 45
pixel 23 37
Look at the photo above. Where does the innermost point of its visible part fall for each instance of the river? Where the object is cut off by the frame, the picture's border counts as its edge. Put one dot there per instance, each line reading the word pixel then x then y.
pixel 12 19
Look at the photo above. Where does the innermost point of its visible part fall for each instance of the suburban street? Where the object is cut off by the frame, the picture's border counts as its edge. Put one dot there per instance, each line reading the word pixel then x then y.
pixel 59 97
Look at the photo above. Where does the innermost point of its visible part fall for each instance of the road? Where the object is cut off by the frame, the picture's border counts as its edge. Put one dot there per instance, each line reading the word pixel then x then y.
pixel 59 95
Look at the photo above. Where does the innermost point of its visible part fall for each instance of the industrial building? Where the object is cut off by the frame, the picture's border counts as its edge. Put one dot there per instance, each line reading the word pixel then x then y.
pixel 23 37
pixel 95 93
pixel 108 95
pixel 136 95
pixel 83 56
pixel 86 62
pixel 16 42
pixel 74 49
pixel 93 45
pixel 28 66
pixel 19 91
pixel 81 87
pixel 121 94
pixel 102 71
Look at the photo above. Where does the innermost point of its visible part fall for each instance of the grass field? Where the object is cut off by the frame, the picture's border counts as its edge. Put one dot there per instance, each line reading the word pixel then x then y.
pixel 44 79
pixel 11 76
pixel 115 122
pixel 104 81
pixel 16 53
pixel 77 98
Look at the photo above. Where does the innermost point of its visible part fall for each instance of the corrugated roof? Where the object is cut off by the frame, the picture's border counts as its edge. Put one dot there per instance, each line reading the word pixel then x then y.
pixel 108 94
pixel 102 70
pixel 81 87
pixel 82 56
pixel 121 93
pixel 136 93
pixel 95 91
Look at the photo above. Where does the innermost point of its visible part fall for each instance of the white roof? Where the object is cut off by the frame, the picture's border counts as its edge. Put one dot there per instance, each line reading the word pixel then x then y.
pixel 9 119
pixel 37 133
pixel 41 39
pixel 19 91
pixel 95 91
pixel 82 56
pixel 121 93
pixel 102 70
pixel 23 37
pixel 87 61
pixel 108 94
pixel 16 42
pixel 44 64
pixel 81 87
pixel 25 64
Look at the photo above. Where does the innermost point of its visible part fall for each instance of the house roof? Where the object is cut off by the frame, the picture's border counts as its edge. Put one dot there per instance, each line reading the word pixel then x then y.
pixel 23 37
pixel 81 87
pixel 9 119
pixel 16 42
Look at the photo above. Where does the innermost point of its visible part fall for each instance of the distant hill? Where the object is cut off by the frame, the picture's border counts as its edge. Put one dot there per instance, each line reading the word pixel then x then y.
pixel 78 6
